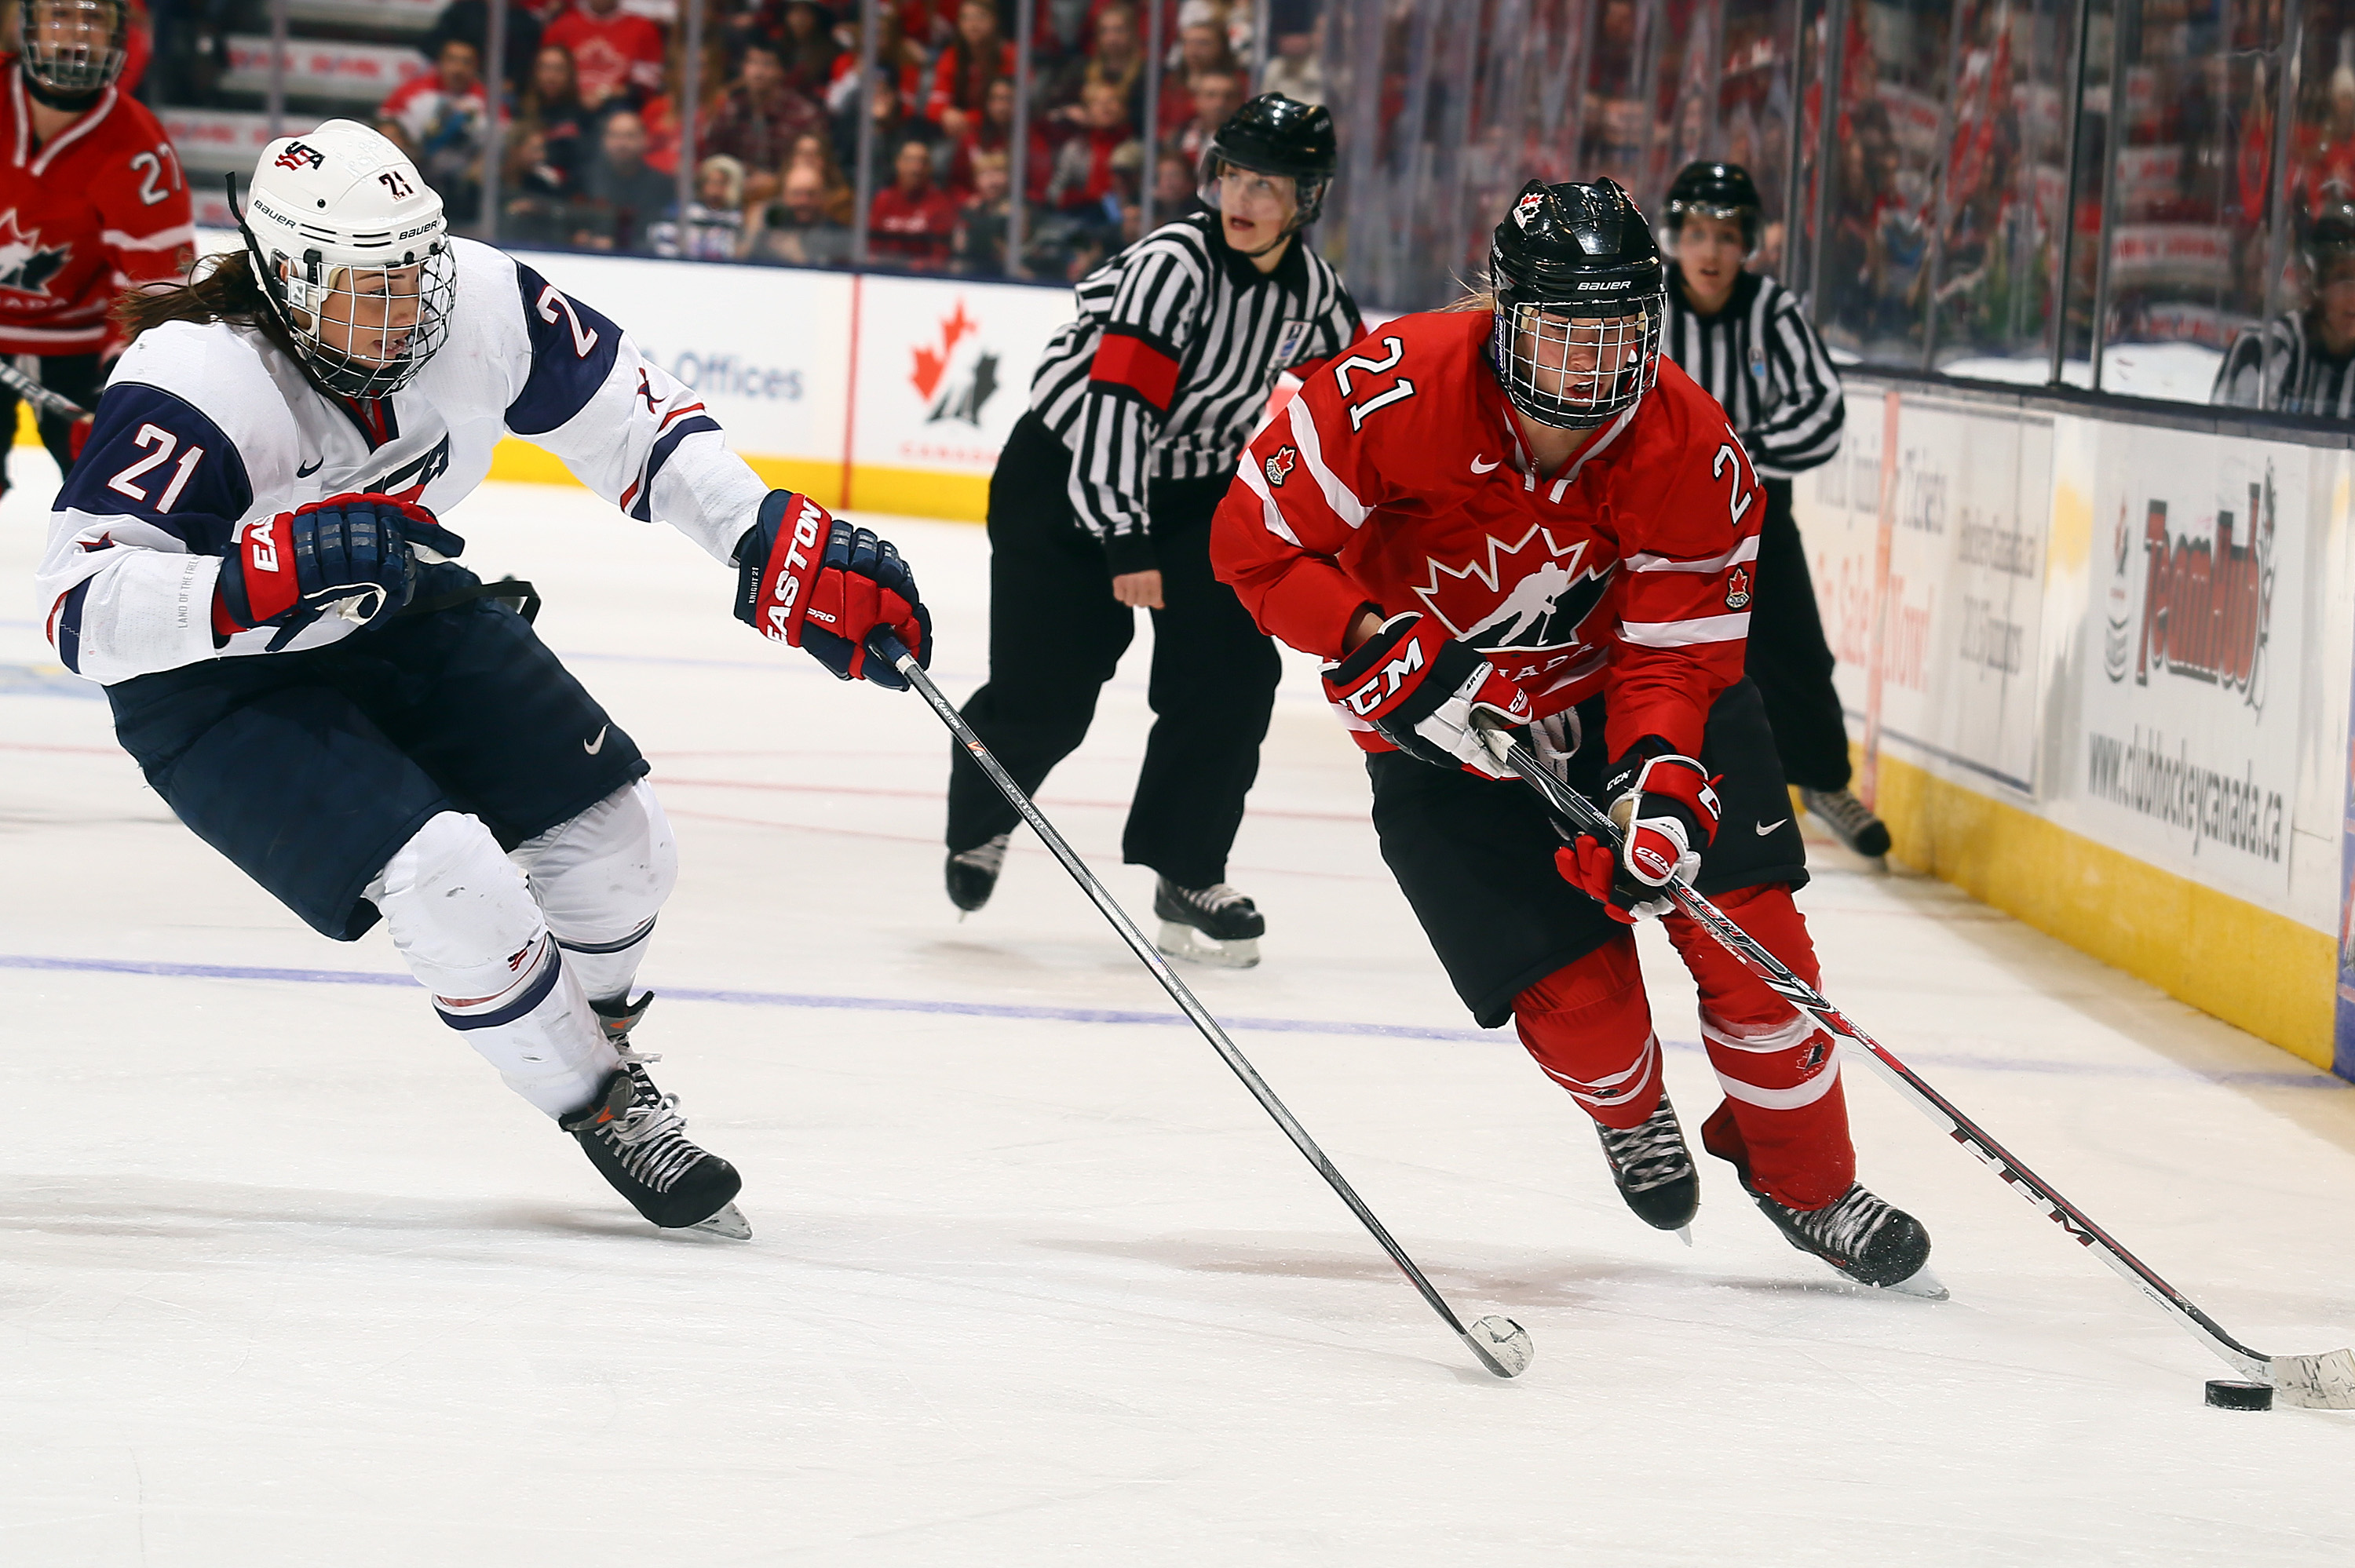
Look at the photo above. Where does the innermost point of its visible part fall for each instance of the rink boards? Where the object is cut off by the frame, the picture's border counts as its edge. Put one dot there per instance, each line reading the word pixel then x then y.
pixel 2099 662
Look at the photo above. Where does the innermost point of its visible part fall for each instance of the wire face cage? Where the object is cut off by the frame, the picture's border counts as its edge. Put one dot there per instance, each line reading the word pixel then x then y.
pixel 74 47
pixel 366 331
pixel 1576 371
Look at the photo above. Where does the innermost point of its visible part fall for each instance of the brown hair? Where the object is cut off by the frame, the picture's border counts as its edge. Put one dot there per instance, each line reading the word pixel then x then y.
pixel 221 288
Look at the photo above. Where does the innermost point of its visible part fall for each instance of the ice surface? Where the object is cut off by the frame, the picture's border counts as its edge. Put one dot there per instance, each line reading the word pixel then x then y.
pixel 286 1277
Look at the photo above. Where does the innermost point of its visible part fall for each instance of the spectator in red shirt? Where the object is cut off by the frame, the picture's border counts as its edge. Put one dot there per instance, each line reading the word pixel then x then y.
pixel 1084 172
pixel 1217 96
pixel 440 121
pixel 992 130
pixel 913 221
pixel 615 53
pixel 756 122
pixel 1201 52
pixel 963 76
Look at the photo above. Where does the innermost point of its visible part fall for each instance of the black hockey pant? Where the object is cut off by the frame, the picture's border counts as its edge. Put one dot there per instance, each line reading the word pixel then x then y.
pixel 1056 634
pixel 1788 658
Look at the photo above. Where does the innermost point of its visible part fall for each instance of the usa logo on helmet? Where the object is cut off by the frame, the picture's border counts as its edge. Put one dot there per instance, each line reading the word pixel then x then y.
pixel 1279 467
pixel 297 156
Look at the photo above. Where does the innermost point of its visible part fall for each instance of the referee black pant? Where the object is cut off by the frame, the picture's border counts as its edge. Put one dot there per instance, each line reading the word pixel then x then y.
pixel 1789 658
pixel 1056 634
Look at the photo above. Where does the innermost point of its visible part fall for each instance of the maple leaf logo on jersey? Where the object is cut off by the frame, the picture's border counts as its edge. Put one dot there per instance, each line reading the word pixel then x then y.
pixel 1279 467
pixel 1737 588
pixel 24 265
pixel 1546 598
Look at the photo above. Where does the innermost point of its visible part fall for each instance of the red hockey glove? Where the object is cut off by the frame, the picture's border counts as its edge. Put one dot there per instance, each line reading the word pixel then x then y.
pixel 1667 812
pixel 812 582
pixel 350 554
pixel 1419 688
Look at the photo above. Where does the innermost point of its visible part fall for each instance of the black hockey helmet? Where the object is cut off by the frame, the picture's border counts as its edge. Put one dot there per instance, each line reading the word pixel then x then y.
pixel 1274 134
pixel 1717 190
pixel 1581 295
pixel 2327 237
pixel 71 49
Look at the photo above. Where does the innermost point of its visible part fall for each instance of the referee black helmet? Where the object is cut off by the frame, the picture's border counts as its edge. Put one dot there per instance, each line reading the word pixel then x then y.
pixel 2328 240
pixel 1717 190
pixel 1274 134
pixel 1581 296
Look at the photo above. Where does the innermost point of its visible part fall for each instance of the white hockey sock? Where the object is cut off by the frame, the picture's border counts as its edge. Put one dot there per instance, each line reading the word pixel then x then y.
pixel 462 917
pixel 601 877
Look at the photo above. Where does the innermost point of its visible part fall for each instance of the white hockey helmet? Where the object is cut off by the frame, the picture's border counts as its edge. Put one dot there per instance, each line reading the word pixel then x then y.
pixel 348 242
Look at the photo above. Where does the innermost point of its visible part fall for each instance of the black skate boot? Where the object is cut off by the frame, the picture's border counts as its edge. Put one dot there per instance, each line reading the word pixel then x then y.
pixel 1214 924
pixel 1862 1236
pixel 1654 1170
pixel 973 875
pixel 620 1016
pixel 1850 818
pixel 635 1137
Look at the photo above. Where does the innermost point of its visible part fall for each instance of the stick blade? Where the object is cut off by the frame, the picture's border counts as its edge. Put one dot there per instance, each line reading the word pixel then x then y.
pixel 2316 1383
pixel 1502 1345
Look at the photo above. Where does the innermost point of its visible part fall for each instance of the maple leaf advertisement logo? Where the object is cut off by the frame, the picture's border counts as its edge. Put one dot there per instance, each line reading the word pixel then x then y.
pixel 948 397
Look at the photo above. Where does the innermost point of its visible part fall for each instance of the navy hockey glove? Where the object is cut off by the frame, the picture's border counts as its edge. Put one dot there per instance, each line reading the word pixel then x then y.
pixel 350 554
pixel 1419 688
pixel 807 579
pixel 1667 811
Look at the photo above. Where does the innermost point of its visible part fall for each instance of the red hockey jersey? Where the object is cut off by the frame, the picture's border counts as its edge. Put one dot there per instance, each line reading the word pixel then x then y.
pixel 98 206
pixel 1398 478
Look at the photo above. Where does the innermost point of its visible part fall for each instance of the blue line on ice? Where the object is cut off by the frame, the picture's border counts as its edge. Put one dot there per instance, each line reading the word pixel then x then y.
pixel 2294 1078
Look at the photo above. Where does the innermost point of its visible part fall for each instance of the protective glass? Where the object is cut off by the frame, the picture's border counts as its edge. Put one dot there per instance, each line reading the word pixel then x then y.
pixel 366 331
pixel 1574 373
pixel 72 47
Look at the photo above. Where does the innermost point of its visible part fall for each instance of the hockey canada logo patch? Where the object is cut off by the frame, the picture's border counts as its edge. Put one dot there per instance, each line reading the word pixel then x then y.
pixel 1279 467
pixel 1525 211
pixel 299 156
pixel 26 265
pixel 1737 588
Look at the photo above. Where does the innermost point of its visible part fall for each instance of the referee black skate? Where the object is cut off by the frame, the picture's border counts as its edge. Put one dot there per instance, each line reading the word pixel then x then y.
pixel 1742 335
pixel 1101 506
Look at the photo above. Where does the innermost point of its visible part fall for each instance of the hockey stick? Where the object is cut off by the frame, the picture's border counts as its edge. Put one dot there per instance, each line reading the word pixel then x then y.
pixel 1502 1345
pixel 2326 1381
pixel 55 404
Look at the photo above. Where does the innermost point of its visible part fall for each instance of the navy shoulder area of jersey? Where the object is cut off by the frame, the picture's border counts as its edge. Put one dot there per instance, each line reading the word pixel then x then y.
pixel 155 457
pixel 572 352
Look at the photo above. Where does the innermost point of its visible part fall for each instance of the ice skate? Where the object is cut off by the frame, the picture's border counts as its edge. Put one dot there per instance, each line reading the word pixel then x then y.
pixel 635 1137
pixel 972 874
pixel 1850 818
pixel 1214 924
pixel 1862 1236
pixel 1654 1171
pixel 620 1016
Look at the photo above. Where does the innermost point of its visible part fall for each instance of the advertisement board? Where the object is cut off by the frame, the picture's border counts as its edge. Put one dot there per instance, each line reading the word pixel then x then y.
pixel 2187 667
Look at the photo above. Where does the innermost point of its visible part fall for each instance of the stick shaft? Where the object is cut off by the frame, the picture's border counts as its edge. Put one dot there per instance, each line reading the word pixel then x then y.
pixel 1151 957
pixel 41 398
pixel 1586 817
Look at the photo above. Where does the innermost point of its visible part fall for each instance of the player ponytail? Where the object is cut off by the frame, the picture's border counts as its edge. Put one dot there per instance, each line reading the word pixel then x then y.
pixel 220 289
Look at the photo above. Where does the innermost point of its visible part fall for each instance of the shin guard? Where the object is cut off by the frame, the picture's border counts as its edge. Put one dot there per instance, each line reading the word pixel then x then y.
pixel 1589 1027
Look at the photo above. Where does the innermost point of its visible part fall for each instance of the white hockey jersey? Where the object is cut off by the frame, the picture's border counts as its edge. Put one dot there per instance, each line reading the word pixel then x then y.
pixel 203 428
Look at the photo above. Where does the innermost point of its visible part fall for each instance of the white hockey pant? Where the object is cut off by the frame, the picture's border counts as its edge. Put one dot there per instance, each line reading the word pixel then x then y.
pixel 513 947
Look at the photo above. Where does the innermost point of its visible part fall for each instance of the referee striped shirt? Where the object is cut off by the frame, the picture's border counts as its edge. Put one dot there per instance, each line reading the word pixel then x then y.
pixel 2304 378
pixel 1167 371
pixel 1759 357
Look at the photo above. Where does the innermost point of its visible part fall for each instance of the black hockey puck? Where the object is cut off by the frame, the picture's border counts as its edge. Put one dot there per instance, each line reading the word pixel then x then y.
pixel 2225 1394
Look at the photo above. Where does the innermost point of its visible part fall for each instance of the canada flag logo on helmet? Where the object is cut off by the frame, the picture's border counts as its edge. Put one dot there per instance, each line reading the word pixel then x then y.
pixel 1279 467
pixel 1525 211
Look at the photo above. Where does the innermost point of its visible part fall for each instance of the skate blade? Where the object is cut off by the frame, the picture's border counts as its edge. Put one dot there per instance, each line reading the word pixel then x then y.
pixel 1182 942
pixel 1922 1284
pixel 730 1222
pixel 1684 1234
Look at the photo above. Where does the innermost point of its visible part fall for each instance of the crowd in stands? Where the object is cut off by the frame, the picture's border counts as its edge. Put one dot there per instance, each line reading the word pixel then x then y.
pixel 593 130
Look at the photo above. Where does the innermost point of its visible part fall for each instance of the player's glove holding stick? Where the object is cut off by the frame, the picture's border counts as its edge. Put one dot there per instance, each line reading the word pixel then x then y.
pixel 812 582
pixel 353 555
pixel 1419 688
pixel 1667 812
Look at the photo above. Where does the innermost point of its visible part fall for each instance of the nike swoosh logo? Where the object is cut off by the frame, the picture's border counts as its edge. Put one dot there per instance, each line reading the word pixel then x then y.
pixel 593 747
pixel 1479 467
pixel 301 472
pixel 1765 828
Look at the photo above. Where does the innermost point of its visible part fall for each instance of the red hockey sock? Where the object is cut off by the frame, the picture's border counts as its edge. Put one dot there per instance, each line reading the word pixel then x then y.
pixel 1589 1028
pixel 1784 1120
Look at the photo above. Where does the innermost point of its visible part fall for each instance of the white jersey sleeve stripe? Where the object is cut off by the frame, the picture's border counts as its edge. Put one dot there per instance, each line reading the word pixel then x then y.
pixel 1686 633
